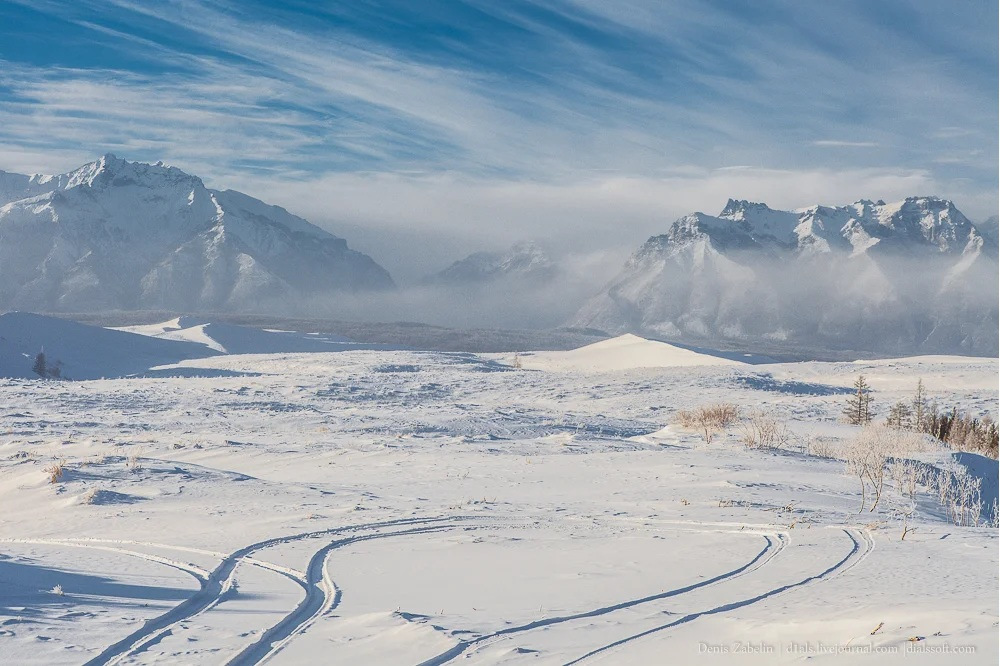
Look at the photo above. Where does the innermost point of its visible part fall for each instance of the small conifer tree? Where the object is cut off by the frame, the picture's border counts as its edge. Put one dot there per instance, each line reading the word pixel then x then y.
pixel 39 367
pixel 858 410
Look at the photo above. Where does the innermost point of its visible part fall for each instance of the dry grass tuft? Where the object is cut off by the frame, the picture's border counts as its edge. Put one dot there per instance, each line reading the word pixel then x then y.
pixel 709 419
pixel 55 471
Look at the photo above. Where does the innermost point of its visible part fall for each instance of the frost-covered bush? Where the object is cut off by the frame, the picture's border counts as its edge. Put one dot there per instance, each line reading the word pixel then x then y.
pixel 762 429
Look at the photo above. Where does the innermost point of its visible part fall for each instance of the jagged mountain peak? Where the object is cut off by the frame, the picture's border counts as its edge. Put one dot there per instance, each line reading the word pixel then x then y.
pixel 862 274
pixel 110 170
pixel 120 234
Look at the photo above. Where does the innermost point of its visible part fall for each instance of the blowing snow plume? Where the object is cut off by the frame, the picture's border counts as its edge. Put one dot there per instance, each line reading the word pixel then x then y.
pixel 912 276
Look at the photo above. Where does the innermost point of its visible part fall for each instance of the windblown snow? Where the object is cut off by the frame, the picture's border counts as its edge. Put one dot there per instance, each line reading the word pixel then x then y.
pixel 371 506
pixel 914 276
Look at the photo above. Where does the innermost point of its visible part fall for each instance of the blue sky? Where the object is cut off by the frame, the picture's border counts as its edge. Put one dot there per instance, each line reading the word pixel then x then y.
pixel 562 113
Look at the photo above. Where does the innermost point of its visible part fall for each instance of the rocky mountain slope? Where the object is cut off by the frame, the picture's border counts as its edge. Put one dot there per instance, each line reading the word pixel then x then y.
pixel 525 260
pixel 905 277
pixel 125 235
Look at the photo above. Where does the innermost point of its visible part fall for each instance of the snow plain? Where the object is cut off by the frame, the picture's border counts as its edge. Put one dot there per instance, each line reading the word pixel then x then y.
pixel 401 507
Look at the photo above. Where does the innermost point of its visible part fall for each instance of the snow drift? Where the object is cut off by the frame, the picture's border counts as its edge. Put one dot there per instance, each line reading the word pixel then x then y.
pixel 622 353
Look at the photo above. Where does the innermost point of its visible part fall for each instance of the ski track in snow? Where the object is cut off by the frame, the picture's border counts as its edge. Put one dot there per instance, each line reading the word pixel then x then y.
pixel 439 446
pixel 220 581
pixel 322 595
pixel 775 543
pixel 861 546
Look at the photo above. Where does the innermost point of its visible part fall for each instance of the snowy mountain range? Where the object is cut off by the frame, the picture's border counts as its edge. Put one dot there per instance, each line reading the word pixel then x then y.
pixel 525 260
pixel 114 234
pixel 910 276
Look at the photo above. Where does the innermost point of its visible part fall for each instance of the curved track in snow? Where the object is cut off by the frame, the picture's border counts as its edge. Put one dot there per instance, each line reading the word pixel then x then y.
pixel 775 543
pixel 219 582
pixel 322 595
pixel 862 546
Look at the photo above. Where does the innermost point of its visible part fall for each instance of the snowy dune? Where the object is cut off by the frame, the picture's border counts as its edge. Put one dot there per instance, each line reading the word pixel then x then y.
pixel 622 353
pixel 91 352
pixel 83 352
pixel 397 507
pixel 231 339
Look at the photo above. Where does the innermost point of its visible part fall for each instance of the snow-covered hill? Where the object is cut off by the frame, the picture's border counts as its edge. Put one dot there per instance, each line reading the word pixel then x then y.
pixel 232 339
pixel 626 352
pixel 78 351
pixel 910 276
pixel 524 260
pixel 115 234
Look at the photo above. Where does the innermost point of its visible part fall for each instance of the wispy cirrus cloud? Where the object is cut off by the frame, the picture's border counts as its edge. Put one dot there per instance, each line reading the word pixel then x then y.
pixel 833 143
pixel 295 100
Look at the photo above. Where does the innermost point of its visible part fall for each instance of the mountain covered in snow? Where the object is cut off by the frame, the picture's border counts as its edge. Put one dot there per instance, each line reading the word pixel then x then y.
pixel 114 234
pixel 911 276
pixel 523 260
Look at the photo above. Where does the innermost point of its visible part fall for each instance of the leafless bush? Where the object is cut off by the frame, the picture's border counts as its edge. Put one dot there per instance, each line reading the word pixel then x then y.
pixel 994 521
pixel 906 475
pixel 133 462
pixel 867 457
pixel 822 447
pixel 709 419
pixel 763 430
pixel 904 512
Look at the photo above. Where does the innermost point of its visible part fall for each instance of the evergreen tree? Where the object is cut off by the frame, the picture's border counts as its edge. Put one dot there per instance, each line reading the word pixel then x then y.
pixel 39 367
pixel 859 406
pixel 920 407
pixel 899 416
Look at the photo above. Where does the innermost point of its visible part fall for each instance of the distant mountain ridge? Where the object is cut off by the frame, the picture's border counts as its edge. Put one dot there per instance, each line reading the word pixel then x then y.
pixel 905 277
pixel 524 260
pixel 114 234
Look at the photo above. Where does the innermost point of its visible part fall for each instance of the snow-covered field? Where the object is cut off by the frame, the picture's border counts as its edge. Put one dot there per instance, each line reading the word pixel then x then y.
pixel 401 507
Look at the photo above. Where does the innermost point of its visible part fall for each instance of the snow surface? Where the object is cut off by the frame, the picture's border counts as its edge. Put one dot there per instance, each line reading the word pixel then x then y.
pixel 406 507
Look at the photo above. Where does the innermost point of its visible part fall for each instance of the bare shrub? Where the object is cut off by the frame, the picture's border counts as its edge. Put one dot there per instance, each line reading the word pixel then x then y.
pixel 90 496
pixel 867 457
pixel 709 419
pixel 822 447
pixel 133 462
pixel 763 430
pixel 55 471
pixel 906 475
pixel 905 512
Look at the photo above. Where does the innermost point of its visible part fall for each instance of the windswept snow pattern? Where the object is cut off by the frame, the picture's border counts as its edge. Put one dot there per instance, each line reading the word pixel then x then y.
pixel 372 506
